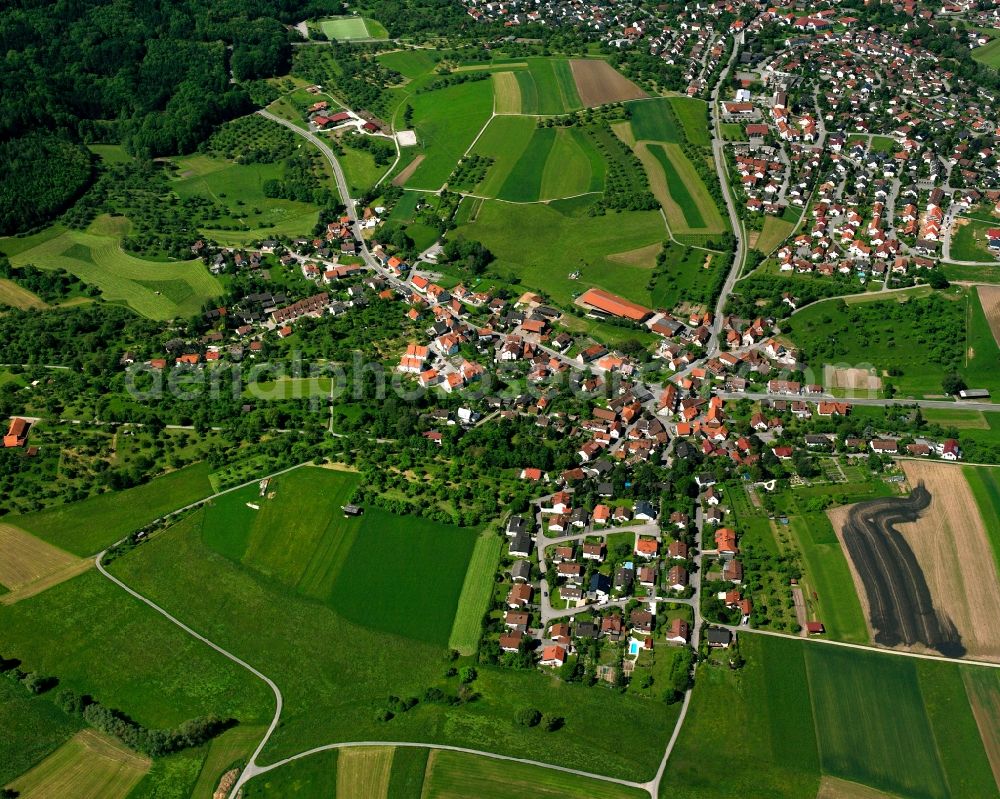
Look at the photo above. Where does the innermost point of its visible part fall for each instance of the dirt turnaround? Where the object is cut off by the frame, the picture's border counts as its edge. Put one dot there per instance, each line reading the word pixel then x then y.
pixel 898 597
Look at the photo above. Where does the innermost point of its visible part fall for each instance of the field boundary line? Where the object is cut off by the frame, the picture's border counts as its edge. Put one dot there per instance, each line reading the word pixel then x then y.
pixel 448 748
pixel 870 648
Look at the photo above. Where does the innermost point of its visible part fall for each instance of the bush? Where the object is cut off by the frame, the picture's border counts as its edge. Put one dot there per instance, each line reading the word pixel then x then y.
pixel 528 717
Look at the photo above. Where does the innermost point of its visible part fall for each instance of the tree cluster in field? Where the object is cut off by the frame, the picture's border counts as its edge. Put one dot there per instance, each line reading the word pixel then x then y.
pixel 252 140
pixel 43 173
pixel 51 285
pixel 300 181
pixel 453 79
pixel 159 222
pixel 602 115
pixel 626 187
pixel 351 71
pixel 470 255
pixel 469 172
pixel 381 149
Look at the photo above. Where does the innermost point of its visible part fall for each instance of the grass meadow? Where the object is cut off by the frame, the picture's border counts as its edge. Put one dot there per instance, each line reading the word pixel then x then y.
pixel 655 120
pixel 307 778
pixel 408 63
pixel 240 189
pixel 335 674
pixel 621 263
pixel 692 114
pixel 867 332
pixel 98 640
pixel 88 526
pixel 808 710
pixel 969 242
pixel 447 121
pixel 155 289
pixel 988 54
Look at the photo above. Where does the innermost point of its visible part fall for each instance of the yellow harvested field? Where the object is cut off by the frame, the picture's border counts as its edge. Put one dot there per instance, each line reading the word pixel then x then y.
pixel 16 297
pixel 623 130
pixel 29 565
pixel 641 256
pixel 851 378
pixel 363 772
pixel 834 788
pixel 951 545
pixel 90 765
pixel 989 296
pixel 984 698
pixel 598 83
pixel 506 93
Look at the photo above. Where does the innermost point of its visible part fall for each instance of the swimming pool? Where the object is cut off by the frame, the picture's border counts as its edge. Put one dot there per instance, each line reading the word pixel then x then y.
pixel 633 647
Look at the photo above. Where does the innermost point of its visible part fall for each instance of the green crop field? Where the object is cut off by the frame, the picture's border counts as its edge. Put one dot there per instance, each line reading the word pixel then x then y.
pixel 868 333
pixel 335 674
pixel 33 728
pixel 98 640
pixel 372 569
pixel 408 63
pixel 239 188
pixel 871 722
pixel 547 87
pixel 680 190
pixel 533 164
pixel 447 121
pixel 655 120
pixel 86 527
pixel 451 775
pixel 969 242
pixel 528 241
pixel 408 767
pixel 692 114
pixel 810 710
pixel 158 290
pixel 985 484
pixel 476 591
pixel 404 575
pixel 91 765
pixel 689 208
pixel 308 778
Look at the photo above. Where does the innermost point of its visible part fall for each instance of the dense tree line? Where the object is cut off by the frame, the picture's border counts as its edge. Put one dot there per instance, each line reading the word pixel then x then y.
pixel 50 285
pixel 42 174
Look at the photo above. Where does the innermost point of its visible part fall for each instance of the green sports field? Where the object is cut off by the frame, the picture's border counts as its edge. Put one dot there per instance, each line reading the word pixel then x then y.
pixel 541 246
pixel 447 121
pixel 345 29
pixel 531 163
pixel 807 710
pixel 88 526
pixel 158 290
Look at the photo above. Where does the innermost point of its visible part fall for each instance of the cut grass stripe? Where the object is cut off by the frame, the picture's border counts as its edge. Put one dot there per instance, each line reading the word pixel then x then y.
pixel 475 596
pixel 678 189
